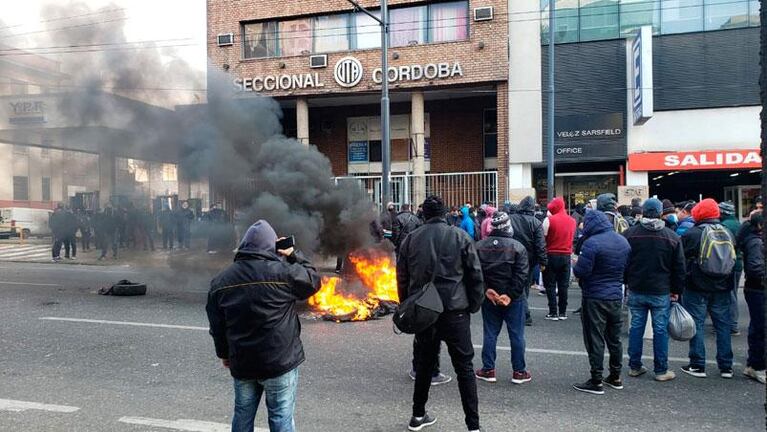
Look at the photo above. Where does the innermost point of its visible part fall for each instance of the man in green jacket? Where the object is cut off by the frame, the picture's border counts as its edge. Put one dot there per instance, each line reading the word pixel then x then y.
pixel 727 210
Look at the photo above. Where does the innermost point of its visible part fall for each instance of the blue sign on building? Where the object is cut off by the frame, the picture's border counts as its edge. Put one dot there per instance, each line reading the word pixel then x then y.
pixel 358 152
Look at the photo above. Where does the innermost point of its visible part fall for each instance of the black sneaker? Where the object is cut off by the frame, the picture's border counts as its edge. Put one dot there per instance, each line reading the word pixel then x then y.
pixel 726 373
pixel 577 311
pixel 590 387
pixel 697 372
pixel 614 381
pixel 528 322
pixel 563 316
pixel 417 424
pixel 552 317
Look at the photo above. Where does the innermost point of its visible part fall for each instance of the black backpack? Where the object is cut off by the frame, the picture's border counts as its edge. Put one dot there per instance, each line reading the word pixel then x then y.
pixel 422 309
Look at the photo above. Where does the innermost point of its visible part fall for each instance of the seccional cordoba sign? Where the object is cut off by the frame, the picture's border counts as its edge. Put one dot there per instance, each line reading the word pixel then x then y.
pixel 348 72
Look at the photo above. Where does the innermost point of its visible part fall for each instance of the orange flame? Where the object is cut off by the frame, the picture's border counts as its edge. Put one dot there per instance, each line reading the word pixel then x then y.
pixel 378 274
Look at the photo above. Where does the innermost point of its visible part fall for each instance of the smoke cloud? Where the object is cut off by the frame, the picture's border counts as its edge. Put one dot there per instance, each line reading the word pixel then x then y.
pixel 236 142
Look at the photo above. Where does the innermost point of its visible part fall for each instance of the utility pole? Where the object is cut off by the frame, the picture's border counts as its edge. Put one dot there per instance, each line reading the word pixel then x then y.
pixel 550 142
pixel 763 119
pixel 383 21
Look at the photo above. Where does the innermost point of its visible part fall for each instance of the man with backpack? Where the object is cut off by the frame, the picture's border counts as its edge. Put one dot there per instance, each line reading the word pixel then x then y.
pixel 710 253
pixel 444 256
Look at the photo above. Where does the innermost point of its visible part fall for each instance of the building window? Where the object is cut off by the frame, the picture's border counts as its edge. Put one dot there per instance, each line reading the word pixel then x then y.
pixel 331 33
pixel 566 22
pixel 259 40
pixel 490 133
pixel 20 188
pixel 374 151
pixel 753 13
pixel 295 37
pixel 367 31
pixel 725 14
pixel 637 13
pixel 681 16
pixel 46 186
pixel 448 21
pixel 598 19
pixel 169 172
pixel 406 26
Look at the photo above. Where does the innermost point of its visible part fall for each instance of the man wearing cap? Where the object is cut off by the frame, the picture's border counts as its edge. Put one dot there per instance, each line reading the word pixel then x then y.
pixel 655 277
pixel 505 268
pixel 686 220
pixel 727 212
pixel 669 215
pixel 253 320
pixel 445 256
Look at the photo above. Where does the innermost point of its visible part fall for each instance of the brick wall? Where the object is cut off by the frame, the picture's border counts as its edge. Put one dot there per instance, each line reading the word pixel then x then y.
pixel 488 64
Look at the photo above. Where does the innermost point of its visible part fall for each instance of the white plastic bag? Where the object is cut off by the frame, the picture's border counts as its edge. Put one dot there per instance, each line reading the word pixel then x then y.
pixel 681 326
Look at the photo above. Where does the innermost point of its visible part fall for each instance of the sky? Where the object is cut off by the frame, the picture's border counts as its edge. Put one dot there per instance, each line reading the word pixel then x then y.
pixel 146 20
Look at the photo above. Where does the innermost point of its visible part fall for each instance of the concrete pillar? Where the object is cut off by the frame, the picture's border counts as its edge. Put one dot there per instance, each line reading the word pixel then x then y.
pixel 637 178
pixel 520 181
pixel 504 142
pixel 302 120
pixel 417 134
pixel 107 175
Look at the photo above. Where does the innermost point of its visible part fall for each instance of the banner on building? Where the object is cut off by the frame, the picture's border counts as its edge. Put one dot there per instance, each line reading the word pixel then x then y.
pixel 695 160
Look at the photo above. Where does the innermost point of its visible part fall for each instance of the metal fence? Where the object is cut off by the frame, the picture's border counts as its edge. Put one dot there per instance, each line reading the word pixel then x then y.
pixel 454 188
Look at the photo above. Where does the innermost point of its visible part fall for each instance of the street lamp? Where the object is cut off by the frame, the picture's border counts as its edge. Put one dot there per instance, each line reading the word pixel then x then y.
pixel 383 21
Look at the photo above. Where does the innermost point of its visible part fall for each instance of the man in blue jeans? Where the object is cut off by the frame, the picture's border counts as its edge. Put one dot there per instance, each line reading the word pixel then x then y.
pixel 252 313
pixel 708 292
pixel 654 277
pixel 505 267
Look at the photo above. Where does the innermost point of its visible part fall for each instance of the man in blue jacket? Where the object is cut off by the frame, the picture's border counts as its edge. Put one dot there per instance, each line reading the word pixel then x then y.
pixel 600 271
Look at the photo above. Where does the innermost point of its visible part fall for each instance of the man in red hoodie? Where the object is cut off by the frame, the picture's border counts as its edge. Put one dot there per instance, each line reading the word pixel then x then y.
pixel 559 229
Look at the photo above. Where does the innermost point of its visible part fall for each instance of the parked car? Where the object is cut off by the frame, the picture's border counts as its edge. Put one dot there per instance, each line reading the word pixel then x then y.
pixel 6 230
pixel 30 221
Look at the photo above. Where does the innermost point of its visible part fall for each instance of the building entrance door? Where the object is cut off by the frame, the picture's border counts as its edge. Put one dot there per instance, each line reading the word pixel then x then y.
pixel 744 198
pixel 582 188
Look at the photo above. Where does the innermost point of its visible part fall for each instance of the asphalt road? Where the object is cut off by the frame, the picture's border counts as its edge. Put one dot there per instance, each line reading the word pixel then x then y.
pixel 108 374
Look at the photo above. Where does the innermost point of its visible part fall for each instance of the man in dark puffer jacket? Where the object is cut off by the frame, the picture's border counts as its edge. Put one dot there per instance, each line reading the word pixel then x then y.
pixel 255 328
pixel 528 230
pixel 600 270
pixel 750 243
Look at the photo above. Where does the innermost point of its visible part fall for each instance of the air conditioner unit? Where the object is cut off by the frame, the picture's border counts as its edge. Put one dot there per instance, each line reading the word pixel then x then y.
pixel 225 39
pixel 483 13
pixel 318 61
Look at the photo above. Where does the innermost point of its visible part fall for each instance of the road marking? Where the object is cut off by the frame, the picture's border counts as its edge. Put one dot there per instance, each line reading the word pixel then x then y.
pixel 585 354
pixel 27 283
pixel 182 424
pixel 18 406
pixel 16 253
pixel 124 323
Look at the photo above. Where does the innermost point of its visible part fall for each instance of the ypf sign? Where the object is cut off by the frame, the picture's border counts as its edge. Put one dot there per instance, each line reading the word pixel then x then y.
pixel 348 72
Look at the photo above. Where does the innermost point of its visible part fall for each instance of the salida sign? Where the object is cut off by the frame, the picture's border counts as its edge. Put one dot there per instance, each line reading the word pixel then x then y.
pixel 686 161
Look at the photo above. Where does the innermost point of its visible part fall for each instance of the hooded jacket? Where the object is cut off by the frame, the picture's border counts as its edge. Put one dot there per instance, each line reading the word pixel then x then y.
pixel 467 223
pixel 559 228
pixel 504 264
pixel 408 222
pixel 457 272
pixel 529 231
pixel 252 307
pixel 604 257
pixel 750 244
pixel 487 223
pixel 656 264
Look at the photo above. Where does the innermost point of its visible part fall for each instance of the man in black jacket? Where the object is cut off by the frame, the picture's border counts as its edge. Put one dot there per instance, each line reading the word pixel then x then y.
pixel 655 277
pixel 505 268
pixel 57 222
pixel 390 224
pixel 445 255
pixel 528 230
pixel 750 244
pixel 253 320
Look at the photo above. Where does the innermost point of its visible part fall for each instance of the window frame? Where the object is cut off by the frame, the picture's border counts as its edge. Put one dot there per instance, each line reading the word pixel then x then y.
pixel 26 188
pixel 485 133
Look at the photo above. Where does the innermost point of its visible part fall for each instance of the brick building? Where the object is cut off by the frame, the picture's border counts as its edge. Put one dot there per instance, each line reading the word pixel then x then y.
pixel 448 74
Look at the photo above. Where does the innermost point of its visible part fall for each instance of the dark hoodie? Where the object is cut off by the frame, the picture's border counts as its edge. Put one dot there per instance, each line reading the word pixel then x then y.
pixel 656 264
pixel 603 260
pixel 528 230
pixel 252 307
pixel 750 244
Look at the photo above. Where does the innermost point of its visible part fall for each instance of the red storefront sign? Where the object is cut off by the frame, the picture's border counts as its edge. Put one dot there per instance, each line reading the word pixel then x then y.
pixel 700 160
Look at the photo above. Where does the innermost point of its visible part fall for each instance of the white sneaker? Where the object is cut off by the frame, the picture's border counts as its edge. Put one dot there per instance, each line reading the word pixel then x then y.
pixel 757 375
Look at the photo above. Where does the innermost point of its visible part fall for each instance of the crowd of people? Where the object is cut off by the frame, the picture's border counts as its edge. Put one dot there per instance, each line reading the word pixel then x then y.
pixel 482 259
pixel 133 228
